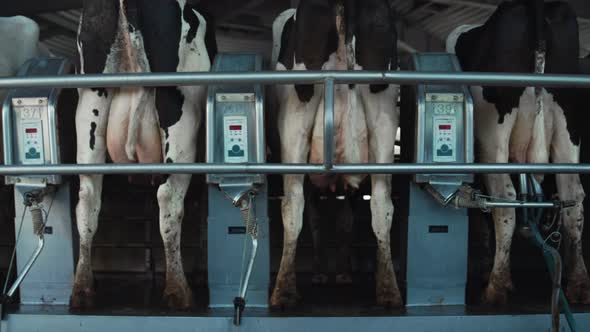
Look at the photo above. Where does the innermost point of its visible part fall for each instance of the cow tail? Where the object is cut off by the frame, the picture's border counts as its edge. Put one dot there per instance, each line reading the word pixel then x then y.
pixel 537 10
pixel 350 24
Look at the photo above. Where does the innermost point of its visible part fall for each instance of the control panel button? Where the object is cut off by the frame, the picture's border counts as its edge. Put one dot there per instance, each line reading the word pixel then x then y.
pixel 444 138
pixel 31 141
pixel 235 134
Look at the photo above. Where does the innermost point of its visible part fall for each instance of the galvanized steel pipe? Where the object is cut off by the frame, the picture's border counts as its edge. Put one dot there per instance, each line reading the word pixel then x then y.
pixel 203 168
pixel 329 123
pixel 295 77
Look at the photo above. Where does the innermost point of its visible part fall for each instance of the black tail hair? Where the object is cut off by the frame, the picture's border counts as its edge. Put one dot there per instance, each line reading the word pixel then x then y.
pixel 537 10
pixel 350 17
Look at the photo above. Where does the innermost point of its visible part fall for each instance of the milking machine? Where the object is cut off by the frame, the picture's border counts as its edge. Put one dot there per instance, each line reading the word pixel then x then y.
pixel 436 264
pixel 238 248
pixel 437 229
pixel 43 229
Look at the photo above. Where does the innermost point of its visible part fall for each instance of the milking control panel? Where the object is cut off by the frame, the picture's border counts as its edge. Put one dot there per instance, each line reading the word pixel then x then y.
pixel 445 107
pixel 235 120
pixel 235 134
pixel 30 118
pixel 441 117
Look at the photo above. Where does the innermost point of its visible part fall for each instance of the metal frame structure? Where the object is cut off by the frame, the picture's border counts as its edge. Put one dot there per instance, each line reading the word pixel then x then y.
pixel 328 79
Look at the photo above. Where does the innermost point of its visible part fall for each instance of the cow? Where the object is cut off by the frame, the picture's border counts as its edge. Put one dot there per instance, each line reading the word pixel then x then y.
pixel 527 125
pixel 337 35
pixel 135 124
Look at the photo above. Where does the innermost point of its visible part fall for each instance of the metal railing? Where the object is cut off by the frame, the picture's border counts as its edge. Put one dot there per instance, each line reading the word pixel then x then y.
pixel 328 79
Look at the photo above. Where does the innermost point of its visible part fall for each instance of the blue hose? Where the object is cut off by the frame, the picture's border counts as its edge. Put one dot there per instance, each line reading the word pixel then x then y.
pixel 551 255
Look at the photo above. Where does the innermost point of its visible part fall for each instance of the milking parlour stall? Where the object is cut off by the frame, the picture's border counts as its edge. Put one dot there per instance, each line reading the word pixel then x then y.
pixel 294 165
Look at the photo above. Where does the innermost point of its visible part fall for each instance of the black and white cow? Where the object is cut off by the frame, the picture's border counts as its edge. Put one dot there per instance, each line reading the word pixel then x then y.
pixel 510 126
pixel 337 35
pixel 139 124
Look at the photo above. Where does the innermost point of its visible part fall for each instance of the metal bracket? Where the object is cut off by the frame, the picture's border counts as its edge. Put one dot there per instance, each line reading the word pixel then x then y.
pixel 467 197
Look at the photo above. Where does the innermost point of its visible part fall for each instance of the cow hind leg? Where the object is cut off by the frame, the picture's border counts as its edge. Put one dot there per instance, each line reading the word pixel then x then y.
pixel 500 280
pixel 312 216
pixel 295 126
pixel 578 287
pixel 494 148
pixel 91 122
pixel 178 142
pixel 285 291
pixel 382 121
pixel 344 236
pixel 569 187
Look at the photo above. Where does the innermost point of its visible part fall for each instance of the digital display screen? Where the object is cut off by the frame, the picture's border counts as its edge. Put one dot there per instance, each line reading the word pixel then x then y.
pixel 235 127
pixel 31 130
pixel 444 127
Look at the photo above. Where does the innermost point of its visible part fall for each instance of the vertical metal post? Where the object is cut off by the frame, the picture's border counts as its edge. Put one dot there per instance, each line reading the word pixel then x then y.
pixel 328 123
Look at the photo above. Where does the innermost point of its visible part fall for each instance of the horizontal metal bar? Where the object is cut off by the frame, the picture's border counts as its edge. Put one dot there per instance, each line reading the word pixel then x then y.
pixel 530 205
pixel 295 77
pixel 202 168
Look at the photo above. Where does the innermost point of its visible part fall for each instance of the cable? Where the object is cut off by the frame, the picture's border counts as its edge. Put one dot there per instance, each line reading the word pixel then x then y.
pixel 16 242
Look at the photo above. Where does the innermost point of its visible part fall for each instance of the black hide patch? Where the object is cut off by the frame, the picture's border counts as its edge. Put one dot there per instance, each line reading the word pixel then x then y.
pixel 161 42
pixel 313 37
pixel 92 135
pixel 95 112
pixel 316 37
pixel 97 34
pixel 484 49
pixel 287 50
pixel 562 50
pixel 210 38
pixel 506 43
pixel 376 37
pixel 101 92
pixel 193 21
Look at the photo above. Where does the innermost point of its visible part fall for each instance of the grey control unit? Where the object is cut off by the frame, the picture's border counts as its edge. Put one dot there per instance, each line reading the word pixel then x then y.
pixel 436 243
pixel 235 135
pixel 44 252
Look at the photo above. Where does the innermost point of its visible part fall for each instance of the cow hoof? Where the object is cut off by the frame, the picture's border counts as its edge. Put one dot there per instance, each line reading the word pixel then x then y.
pixel 178 298
pixel 390 300
pixel 343 279
pixel 319 279
pixel 578 294
pixel 495 297
pixel 284 300
pixel 82 298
